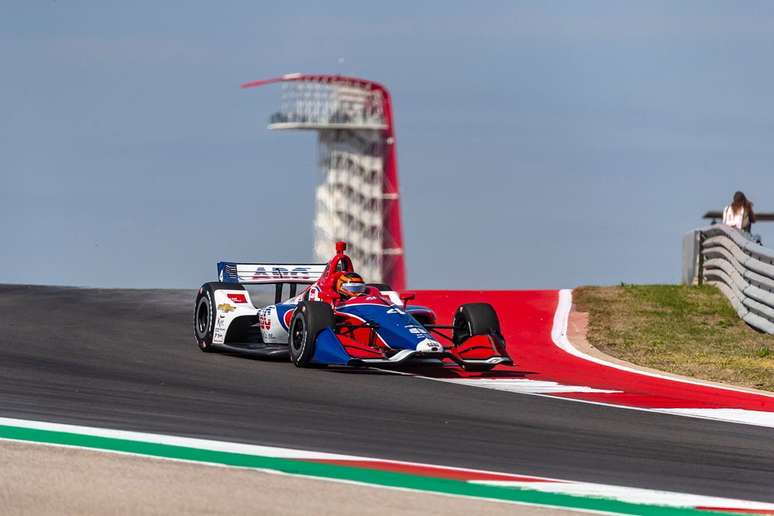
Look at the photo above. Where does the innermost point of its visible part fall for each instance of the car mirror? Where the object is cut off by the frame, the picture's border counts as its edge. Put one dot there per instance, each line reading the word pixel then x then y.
pixel 407 296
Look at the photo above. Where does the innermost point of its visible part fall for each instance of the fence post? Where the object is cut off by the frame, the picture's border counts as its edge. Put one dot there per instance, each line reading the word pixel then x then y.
pixel 700 276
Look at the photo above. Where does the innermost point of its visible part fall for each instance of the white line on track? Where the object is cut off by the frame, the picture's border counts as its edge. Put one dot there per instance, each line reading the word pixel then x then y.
pixel 189 442
pixel 523 385
pixel 634 495
pixel 749 417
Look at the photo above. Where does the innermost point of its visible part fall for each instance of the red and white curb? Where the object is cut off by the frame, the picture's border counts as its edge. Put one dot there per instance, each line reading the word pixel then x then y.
pixel 523 385
pixel 556 368
pixel 472 476
pixel 731 415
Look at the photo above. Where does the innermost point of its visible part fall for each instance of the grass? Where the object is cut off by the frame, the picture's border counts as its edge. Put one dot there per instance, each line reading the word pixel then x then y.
pixel 688 330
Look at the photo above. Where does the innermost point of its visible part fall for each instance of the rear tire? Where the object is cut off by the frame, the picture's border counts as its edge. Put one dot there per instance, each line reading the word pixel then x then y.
pixel 309 319
pixel 205 313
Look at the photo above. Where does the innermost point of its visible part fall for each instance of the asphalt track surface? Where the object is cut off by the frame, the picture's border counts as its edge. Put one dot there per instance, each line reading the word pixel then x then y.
pixel 126 359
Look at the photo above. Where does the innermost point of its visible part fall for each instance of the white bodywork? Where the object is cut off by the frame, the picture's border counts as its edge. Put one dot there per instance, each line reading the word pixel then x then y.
pixel 226 310
pixel 272 331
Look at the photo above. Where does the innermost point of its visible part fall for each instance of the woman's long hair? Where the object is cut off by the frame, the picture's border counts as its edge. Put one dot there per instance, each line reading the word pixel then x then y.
pixel 740 202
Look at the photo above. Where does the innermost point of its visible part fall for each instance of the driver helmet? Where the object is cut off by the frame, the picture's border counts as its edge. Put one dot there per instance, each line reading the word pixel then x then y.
pixel 350 284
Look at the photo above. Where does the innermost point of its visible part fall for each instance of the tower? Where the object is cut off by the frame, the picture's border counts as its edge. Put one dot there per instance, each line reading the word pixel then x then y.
pixel 357 199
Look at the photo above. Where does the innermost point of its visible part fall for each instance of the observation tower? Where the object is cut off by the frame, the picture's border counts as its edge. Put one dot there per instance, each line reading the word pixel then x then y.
pixel 357 199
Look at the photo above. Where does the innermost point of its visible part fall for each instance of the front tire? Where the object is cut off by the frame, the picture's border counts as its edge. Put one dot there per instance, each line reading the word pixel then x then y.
pixel 473 319
pixel 205 313
pixel 309 319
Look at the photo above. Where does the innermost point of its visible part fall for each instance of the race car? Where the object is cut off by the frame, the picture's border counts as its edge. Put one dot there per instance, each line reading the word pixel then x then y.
pixel 338 320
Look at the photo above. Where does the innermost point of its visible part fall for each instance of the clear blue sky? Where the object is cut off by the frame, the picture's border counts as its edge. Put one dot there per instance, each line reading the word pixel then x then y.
pixel 541 144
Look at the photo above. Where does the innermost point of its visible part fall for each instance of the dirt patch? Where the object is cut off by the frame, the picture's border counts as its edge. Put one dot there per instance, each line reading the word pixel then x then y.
pixel 686 330
pixel 42 480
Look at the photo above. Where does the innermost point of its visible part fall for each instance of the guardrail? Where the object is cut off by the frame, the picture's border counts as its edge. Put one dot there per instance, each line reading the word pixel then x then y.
pixel 740 268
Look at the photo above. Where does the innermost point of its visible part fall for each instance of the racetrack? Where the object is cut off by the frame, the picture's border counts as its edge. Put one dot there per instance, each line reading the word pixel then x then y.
pixel 126 359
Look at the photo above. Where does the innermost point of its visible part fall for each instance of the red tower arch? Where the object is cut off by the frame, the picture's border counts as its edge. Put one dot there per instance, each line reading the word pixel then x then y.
pixel 358 199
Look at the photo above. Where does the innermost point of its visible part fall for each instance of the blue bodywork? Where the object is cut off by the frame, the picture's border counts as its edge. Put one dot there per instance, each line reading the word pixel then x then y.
pixel 328 350
pixel 398 329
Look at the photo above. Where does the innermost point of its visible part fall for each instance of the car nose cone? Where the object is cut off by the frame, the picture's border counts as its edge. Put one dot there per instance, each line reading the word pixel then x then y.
pixel 429 346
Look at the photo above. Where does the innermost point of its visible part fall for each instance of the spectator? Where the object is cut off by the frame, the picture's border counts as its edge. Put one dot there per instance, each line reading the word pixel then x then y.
pixel 740 215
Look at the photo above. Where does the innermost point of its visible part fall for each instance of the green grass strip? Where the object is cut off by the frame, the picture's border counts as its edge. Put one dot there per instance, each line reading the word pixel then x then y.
pixel 337 472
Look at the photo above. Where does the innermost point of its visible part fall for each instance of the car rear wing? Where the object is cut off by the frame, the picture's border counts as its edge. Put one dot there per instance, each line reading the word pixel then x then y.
pixel 269 273
pixel 277 274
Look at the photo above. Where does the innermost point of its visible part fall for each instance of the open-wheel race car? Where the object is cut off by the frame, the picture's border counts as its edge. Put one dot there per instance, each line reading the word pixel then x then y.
pixel 338 319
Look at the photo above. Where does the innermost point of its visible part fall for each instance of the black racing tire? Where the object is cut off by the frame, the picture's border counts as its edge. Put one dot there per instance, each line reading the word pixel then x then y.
pixel 205 312
pixel 473 319
pixel 309 319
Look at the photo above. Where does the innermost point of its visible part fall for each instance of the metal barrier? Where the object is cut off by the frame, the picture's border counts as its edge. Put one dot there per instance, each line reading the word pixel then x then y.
pixel 740 268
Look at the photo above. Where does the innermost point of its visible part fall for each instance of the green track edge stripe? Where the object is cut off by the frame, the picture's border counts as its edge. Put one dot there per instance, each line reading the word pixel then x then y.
pixel 337 472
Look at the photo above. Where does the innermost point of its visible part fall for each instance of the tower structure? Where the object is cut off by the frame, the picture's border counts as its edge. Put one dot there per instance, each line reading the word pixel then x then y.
pixel 357 199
